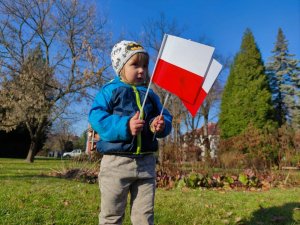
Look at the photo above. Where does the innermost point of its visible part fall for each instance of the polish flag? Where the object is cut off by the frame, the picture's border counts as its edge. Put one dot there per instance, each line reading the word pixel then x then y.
pixel 210 78
pixel 181 67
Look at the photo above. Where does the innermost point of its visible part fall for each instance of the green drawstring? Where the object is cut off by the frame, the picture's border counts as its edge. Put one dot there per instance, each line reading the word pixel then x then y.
pixel 139 136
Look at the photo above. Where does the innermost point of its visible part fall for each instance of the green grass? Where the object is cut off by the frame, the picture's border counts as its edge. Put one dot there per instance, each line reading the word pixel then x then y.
pixel 27 196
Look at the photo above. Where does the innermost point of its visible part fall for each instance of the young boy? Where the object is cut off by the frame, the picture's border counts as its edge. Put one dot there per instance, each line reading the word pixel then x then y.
pixel 126 137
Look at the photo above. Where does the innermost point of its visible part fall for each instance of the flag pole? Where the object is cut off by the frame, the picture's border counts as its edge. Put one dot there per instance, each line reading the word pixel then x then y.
pixel 150 82
pixel 161 112
pixel 166 99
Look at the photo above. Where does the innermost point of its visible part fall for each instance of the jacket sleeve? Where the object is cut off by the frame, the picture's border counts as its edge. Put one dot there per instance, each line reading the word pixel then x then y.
pixel 109 126
pixel 167 116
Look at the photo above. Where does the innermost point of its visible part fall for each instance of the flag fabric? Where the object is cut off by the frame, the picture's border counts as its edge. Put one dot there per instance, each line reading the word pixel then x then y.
pixel 210 78
pixel 181 67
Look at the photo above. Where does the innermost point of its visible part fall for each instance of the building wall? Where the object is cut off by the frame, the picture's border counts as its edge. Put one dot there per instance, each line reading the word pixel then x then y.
pixel 193 147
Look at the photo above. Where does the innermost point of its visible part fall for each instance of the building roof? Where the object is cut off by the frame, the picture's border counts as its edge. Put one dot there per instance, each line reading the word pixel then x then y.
pixel 213 129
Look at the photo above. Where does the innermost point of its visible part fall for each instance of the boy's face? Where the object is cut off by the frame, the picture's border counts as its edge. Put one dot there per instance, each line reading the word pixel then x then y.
pixel 135 71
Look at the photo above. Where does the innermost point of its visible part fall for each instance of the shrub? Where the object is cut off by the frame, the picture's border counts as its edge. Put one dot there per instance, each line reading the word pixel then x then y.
pixel 232 159
pixel 92 157
pixel 261 148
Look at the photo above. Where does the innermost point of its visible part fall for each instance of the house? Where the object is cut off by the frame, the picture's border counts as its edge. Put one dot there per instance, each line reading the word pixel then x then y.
pixel 194 143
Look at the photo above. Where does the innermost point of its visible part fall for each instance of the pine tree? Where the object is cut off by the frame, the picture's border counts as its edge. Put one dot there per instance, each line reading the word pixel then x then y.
pixel 295 110
pixel 246 98
pixel 284 78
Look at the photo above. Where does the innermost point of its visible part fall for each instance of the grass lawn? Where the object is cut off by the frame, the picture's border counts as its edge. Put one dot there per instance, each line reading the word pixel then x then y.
pixel 29 197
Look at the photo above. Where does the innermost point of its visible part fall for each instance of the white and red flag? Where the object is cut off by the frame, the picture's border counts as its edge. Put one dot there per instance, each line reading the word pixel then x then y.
pixel 181 67
pixel 210 78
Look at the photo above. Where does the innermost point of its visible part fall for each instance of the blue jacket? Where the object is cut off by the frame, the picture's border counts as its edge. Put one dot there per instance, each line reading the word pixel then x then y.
pixel 111 111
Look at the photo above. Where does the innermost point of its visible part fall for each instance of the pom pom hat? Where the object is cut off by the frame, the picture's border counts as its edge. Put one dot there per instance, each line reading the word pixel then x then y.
pixel 122 52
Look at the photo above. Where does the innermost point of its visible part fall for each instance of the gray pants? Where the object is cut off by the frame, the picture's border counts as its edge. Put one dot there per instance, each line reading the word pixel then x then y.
pixel 121 175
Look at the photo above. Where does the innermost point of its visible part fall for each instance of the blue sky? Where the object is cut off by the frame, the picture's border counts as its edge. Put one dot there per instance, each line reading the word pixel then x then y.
pixel 221 22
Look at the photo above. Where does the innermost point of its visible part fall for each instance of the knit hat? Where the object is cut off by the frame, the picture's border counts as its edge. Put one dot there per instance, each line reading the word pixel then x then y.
pixel 122 52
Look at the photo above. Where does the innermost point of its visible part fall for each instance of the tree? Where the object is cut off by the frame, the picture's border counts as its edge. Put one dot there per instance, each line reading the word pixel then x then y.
pixel 27 100
pixel 246 97
pixel 284 76
pixel 15 143
pixel 211 99
pixel 81 142
pixel 60 136
pixel 73 42
pixel 152 36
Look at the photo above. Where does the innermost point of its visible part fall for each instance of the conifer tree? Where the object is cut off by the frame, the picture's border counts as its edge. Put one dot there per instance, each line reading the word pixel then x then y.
pixel 246 98
pixel 284 77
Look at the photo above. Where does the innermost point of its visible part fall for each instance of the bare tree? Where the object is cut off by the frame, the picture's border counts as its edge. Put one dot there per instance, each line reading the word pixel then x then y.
pixel 211 99
pixel 192 123
pixel 60 134
pixel 73 43
pixel 151 36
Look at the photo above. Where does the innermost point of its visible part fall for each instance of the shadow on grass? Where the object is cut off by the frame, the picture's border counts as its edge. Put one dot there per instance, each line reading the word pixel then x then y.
pixel 26 169
pixel 11 177
pixel 287 214
pixel 28 177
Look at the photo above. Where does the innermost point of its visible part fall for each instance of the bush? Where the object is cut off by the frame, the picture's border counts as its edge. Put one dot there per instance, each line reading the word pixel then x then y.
pixel 232 159
pixel 260 149
pixel 92 157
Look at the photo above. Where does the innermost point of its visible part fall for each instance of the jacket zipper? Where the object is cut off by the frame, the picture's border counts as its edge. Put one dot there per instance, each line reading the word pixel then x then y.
pixel 139 136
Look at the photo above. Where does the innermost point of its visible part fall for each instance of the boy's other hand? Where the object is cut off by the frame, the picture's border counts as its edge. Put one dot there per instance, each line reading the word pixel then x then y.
pixel 135 124
pixel 158 124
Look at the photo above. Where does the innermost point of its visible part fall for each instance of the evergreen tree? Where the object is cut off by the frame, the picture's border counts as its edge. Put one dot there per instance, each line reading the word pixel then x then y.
pixel 295 109
pixel 283 74
pixel 246 98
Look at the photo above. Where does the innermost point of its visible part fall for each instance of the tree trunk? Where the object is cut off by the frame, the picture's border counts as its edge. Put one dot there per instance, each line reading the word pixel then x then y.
pixel 206 140
pixel 36 136
pixel 31 152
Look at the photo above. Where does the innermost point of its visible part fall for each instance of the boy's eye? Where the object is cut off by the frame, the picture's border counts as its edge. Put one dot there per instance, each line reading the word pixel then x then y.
pixel 136 64
pixel 133 63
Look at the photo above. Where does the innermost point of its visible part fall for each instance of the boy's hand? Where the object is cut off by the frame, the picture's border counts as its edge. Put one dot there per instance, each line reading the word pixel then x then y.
pixel 158 124
pixel 135 124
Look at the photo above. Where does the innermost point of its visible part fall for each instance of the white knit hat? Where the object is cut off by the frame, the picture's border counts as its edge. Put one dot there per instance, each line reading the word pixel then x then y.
pixel 122 52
